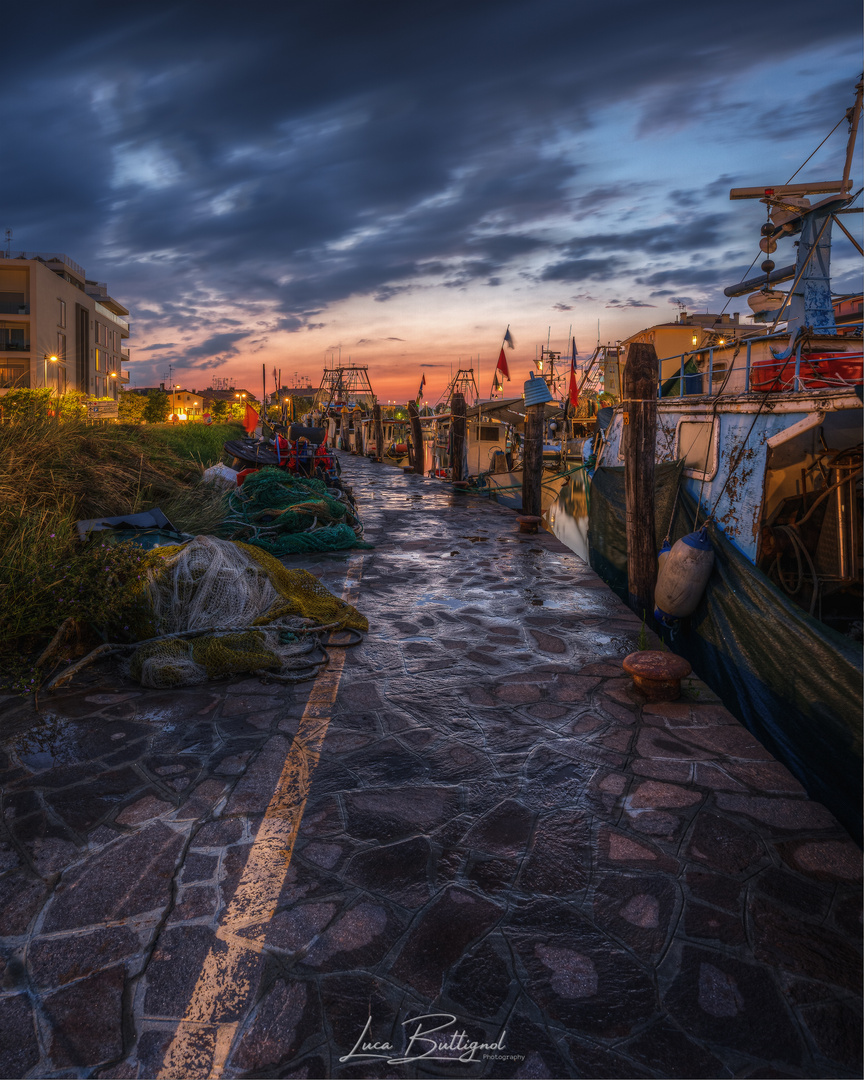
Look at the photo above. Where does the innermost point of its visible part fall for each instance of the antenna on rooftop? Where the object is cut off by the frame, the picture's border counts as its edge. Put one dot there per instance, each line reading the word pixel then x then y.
pixel 8 243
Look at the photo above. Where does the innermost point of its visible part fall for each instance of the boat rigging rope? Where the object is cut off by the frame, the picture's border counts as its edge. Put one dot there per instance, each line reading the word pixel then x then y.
pixel 741 449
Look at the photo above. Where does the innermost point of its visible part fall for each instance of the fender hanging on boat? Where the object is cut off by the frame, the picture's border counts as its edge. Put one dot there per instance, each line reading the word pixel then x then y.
pixel 682 576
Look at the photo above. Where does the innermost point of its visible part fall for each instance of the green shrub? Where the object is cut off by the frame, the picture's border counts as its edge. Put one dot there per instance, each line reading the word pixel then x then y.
pixel 157 407
pixel 132 406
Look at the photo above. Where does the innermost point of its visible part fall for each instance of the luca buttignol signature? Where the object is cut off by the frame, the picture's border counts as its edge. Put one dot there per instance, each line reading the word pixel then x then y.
pixel 433 1037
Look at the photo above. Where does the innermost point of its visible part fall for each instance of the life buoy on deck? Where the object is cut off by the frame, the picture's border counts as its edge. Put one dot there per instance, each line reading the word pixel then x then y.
pixel 683 575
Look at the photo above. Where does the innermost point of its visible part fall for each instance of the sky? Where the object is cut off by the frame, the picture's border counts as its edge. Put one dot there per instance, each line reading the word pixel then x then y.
pixel 394 183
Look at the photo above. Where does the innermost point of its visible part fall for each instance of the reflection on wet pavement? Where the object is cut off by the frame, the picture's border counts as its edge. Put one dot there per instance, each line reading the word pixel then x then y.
pixel 498 830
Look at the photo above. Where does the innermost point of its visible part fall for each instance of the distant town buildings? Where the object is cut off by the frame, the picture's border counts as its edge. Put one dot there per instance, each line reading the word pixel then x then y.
pixel 59 329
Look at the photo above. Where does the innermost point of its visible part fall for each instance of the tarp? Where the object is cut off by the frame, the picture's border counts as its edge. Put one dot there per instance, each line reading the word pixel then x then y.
pixel 147 519
pixel 795 683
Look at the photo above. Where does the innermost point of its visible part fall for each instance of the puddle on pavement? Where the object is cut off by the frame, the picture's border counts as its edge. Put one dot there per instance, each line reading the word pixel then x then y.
pixel 441 601
pixel 54 742
pixel 544 601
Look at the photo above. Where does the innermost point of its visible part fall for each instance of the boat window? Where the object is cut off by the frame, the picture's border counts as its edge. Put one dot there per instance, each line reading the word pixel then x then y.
pixel 697 446
pixel 489 433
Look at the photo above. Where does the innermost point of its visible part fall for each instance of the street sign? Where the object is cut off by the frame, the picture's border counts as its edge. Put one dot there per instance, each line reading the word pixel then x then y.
pixel 103 410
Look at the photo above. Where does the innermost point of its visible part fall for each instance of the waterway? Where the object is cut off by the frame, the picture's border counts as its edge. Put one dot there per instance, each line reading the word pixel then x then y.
pixel 567 517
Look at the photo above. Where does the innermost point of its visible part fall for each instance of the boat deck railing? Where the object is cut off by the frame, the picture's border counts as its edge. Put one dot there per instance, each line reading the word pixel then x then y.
pixel 690 382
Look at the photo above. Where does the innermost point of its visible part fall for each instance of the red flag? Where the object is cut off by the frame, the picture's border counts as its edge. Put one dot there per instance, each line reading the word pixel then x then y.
pixel 250 420
pixel 502 365
pixel 574 389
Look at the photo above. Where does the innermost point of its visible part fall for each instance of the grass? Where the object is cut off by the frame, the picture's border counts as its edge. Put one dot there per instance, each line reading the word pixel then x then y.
pixel 201 443
pixel 54 474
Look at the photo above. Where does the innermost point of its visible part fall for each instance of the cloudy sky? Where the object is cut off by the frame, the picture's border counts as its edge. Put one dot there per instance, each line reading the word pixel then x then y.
pixel 271 183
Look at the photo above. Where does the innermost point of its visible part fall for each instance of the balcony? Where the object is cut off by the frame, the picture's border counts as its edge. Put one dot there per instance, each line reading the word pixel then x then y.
pixel 105 313
pixel 17 345
pixel 124 355
pixel 14 309
pixel 124 375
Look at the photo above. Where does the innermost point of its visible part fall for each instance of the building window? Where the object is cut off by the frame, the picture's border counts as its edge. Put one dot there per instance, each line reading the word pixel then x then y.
pixel 61 346
pixel 12 337
pixel 62 316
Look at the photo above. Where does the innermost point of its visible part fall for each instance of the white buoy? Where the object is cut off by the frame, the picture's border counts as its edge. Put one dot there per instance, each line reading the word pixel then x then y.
pixel 682 577
pixel 662 556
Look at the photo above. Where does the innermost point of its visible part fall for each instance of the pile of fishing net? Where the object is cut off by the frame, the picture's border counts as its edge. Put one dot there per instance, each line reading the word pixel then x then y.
pixel 220 608
pixel 287 514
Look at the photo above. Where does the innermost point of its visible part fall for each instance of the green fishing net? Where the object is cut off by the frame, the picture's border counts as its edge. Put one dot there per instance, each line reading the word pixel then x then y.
pixel 286 514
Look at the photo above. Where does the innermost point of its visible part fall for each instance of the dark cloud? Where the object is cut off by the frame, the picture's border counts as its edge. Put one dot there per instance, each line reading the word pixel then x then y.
pixel 225 167
pixel 562 307
pixel 218 346
pixel 577 270
pixel 689 275
pixel 629 304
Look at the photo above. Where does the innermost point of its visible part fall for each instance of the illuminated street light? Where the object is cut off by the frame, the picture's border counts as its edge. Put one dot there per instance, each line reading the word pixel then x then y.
pixel 54 360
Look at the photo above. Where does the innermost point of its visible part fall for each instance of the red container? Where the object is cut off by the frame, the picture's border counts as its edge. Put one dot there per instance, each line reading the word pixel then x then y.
pixel 241 476
pixel 818 371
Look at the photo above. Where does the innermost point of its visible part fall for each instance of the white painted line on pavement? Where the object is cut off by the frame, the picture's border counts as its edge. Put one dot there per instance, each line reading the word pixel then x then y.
pixel 203 1039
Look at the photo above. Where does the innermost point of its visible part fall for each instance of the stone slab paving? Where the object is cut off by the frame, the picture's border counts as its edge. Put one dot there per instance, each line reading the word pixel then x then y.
pixel 499 832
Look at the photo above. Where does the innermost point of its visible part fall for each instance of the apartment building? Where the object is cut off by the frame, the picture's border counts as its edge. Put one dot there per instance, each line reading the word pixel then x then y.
pixel 59 329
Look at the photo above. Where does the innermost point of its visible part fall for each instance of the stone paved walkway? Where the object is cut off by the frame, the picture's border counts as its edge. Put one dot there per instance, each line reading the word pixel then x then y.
pixel 498 832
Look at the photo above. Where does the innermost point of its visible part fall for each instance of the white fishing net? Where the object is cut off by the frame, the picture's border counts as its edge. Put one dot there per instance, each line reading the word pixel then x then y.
pixel 215 585
pixel 209 583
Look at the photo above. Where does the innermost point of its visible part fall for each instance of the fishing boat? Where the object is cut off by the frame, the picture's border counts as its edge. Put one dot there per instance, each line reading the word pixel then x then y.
pixel 764 429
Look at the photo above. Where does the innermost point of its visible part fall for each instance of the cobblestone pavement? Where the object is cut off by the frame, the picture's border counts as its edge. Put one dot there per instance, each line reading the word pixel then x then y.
pixel 498 831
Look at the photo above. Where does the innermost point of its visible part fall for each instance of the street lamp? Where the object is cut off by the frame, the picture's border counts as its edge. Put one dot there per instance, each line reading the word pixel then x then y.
pixel 54 360
pixel 174 390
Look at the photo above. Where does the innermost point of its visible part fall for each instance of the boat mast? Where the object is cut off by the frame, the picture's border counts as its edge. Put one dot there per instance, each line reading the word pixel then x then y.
pixel 854 115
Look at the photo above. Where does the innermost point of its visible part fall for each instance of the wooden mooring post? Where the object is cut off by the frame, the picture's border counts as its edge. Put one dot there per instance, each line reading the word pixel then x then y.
pixel 532 462
pixel 416 448
pixel 457 444
pixel 640 423
pixel 379 432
